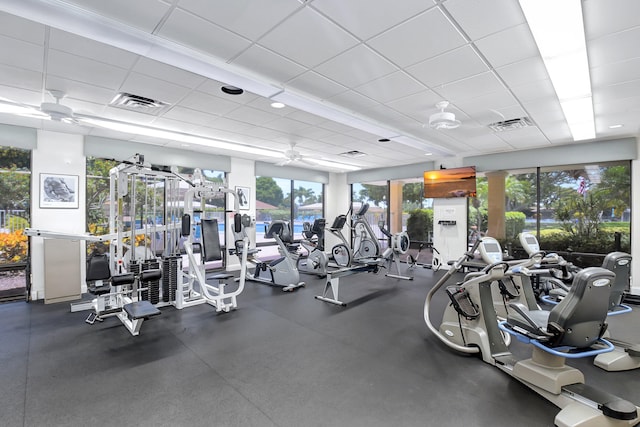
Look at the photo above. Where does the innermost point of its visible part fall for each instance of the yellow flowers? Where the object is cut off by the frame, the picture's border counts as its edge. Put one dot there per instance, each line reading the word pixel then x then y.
pixel 13 246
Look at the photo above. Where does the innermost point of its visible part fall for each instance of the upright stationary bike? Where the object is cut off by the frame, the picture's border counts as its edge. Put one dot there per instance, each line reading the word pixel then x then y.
pixel 316 260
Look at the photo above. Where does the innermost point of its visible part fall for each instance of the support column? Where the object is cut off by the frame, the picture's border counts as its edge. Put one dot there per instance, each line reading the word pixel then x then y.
pixel 395 206
pixel 496 190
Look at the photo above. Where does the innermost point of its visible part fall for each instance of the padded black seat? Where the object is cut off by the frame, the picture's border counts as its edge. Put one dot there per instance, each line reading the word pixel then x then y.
pixel 620 264
pixel 98 274
pixel 140 310
pixel 578 320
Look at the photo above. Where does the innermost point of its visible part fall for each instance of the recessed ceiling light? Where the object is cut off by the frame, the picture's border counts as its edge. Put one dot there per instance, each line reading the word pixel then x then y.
pixel 428 154
pixel 384 140
pixel 232 90
pixel 277 105
pixel 615 126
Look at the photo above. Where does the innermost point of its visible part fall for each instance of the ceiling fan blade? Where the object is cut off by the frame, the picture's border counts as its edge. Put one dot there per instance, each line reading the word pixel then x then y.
pixel 283 162
pixel 19 109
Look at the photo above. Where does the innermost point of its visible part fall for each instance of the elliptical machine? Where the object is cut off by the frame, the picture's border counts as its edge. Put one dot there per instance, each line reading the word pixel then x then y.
pixel 316 260
pixel 572 329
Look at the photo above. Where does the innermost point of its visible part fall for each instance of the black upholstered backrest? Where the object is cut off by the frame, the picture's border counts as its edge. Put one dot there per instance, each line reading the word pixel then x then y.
pixel 281 229
pixel 582 313
pixel 620 264
pixel 211 240
pixel 98 268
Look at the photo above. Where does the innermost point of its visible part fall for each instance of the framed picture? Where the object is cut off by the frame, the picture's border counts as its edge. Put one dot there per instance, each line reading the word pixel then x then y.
pixel 58 191
pixel 243 197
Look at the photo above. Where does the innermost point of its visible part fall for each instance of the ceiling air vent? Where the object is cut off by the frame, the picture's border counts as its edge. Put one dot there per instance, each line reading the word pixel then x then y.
pixel 511 124
pixel 353 153
pixel 138 103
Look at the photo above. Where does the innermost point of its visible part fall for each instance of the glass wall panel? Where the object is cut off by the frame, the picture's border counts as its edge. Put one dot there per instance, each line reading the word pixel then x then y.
pixel 15 202
pixel 376 194
pixel 307 204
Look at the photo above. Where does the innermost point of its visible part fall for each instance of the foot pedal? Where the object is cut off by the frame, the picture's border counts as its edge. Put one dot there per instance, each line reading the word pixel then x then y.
pixel 91 319
pixel 461 301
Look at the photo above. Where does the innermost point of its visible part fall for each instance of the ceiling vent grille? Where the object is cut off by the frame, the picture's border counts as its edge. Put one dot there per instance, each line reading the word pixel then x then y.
pixel 128 101
pixel 352 154
pixel 511 124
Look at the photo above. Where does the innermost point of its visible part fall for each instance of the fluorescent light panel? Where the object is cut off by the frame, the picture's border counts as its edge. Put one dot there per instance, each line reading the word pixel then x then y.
pixel 558 29
pixel 177 136
pixel 198 140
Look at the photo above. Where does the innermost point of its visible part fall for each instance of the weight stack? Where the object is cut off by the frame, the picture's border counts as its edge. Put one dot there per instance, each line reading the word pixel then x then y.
pixel 170 266
pixel 152 294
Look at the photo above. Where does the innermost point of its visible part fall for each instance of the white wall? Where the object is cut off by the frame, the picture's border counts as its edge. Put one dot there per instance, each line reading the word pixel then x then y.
pixel 337 198
pixel 57 153
pixel 635 224
pixel 242 174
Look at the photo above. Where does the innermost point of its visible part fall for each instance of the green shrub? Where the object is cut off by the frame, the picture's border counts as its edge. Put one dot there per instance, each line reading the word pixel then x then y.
pixel 419 224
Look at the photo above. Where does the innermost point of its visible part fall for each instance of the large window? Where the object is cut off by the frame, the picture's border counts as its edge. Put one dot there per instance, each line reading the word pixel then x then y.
pixel 295 201
pixel 583 208
pixel 156 205
pixel 376 194
pixel 15 200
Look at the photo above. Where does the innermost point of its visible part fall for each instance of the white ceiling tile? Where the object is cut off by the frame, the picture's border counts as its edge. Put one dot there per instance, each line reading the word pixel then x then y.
pixel 303 116
pixel 364 65
pixel 29 97
pixel 479 19
pixel 227 124
pixel 284 124
pixel 488 142
pixel 420 30
pixel 194 32
pixel 22 29
pixel 85 70
pixel 248 18
pixel 316 85
pixel 308 26
pixel 613 93
pixel 472 87
pixel 505 47
pixel 417 104
pixel 81 46
pixel 127 116
pixel 142 14
pixel 189 116
pixel 251 115
pixel 365 19
pixel 335 126
pixel 268 64
pixel 448 67
pixel 21 78
pixel 526 71
pixel 316 133
pixel 208 103
pixel 150 87
pixel 21 54
pixel 488 107
pixel 615 47
pixel 390 87
pixel 620 72
pixel 79 90
pixel 601 17
pixel 525 137
pixel 167 72
pixel 534 90
pixel 353 101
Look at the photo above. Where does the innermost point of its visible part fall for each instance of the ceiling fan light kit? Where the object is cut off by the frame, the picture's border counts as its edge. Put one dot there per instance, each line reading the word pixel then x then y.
pixel 443 119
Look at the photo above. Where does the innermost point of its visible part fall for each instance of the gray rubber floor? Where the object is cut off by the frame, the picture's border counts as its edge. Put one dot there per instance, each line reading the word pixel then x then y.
pixel 281 359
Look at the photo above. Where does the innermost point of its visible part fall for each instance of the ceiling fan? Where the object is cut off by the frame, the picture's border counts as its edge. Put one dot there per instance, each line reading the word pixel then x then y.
pixel 443 119
pixel 48 110
pixel 293 156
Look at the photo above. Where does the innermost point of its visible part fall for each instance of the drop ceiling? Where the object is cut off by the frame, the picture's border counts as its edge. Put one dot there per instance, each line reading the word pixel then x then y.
pixel 350 72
